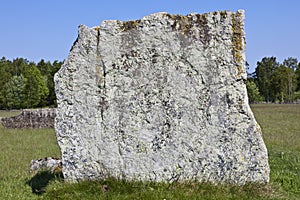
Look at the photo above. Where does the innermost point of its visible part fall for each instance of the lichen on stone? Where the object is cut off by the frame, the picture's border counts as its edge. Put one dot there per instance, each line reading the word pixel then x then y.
pixel 238 42
pixel 181 23
pixel 128 25
pixel 96 28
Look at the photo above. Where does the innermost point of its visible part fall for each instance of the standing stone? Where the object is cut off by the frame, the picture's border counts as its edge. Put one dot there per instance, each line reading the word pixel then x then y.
pixel 159 99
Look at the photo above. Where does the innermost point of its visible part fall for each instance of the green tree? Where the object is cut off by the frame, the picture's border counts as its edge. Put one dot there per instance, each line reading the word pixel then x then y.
pixel 297 72
pixel 291 64
pixel 48 70
pixel 292 81
pixel 36 90
pixel 18 66
pixel 14 92
pixel 280 83
pixel 56 65
pixel 253 92
pixel 264 71
pixel 5 76
pixel 44 67
pixel 36 77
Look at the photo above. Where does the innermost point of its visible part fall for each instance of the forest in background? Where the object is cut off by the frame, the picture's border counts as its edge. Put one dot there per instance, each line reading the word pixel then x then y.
pixel 25 84
pixel 274 82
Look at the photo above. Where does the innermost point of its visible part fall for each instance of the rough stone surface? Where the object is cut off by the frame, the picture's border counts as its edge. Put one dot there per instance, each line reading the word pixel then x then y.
pixel 161 99
pixel 49 163
pixel 29 118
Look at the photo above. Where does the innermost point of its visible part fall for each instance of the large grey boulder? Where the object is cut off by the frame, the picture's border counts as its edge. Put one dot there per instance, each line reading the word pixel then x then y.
pixel 161 99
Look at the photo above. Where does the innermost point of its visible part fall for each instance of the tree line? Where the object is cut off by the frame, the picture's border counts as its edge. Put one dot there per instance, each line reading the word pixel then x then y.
pixel 25 84
pixel 274 82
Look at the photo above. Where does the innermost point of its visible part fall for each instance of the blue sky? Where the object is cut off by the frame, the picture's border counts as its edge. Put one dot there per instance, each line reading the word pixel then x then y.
pixel 36 29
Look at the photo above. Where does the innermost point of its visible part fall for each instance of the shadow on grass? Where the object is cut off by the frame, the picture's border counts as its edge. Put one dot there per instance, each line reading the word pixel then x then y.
pixel 40 181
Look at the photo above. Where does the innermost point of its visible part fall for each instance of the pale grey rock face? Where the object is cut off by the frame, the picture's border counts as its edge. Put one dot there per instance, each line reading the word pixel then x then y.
pixel 161 99
pixel 49 164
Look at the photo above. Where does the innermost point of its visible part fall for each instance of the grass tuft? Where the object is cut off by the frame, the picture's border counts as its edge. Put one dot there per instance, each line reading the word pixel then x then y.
pixel 149 190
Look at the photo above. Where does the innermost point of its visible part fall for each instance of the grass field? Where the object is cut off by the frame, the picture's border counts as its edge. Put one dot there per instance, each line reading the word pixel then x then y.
pixel 9 114
pixel 281 131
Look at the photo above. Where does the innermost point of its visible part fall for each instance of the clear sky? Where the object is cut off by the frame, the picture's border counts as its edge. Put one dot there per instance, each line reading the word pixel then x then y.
pixel 46 29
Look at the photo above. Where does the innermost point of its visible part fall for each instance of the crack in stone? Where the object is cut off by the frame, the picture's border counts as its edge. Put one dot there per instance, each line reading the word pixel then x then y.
pixel 100 77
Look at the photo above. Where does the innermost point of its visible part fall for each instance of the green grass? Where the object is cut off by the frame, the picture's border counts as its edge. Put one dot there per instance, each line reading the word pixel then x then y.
pixel 18 148
pixel 9 113
pixel 138 190
pixel 281 131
